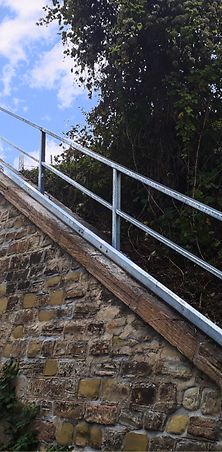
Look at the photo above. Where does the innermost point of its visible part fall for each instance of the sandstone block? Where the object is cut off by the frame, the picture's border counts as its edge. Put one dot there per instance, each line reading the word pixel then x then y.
pixel 64 433
pixel 191 398
pixel 12 350
pixel 82 434
pixel 101 414
pixel 74 292
pixel 30 300
pixel 112 391
pixel 3 288
pixel 211 402
pixel 177 424
pixel 18 332
pixel 203 427
pixel 51 368
pixel 56 298
pixel 53 281
pixel 34 349
pixel 144 395
pixel 45 316
pixel 135 442
pixel 95 439
pixel 89 388
pixel 3 305
pixel 73 276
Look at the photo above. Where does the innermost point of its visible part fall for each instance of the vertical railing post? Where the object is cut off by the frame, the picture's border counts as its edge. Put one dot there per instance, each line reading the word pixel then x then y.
pixel 41 182
pixel 116 204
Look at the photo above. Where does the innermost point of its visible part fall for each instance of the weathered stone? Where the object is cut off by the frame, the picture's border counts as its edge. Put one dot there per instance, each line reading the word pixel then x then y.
pixel 46 431
pixel 131 419
pixel 191 399
pixel 78 349
pixel 30 300
pixel 167 397
pixel 74 292
pixel 154 420
pixel 113 391
pixel 46 315
pixel 70 410
pixel 82 434
pixel 100 348
pixel 73 276
pixel 101 414
pixel 51 368
pixel 95 439
pixel 3 305
pixel 56 298
pixel 175 369
pixel 64 433
pixel 144 396
pixel 136 369
pixel 3 287
pixel 53 281
pixel 18 332
pixel 12 350
pixel 204 427
pixel 136 442
pixel 34 349
pixel 211 402
pixel 162 444
pixel 89 388
pixel 177 424
pixel 192 446
pixel 113 438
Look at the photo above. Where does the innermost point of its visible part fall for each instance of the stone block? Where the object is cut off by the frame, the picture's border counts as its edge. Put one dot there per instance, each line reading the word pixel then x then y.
pixel 46 315
pixel 211 402
pixel 78 349
pixel 131 419
pixel 73 276
pixel 51 368
pixel 162 444
pixel 113 438
pixel 135 442
pixel 3 288
pixel 191 398
pixel 101 414
pixel 95 439
pixel 56 298
pixel 187 445
pixel 64 433
pixel 53 281
pixel 177 424
pixel 100 348
pixel 89 388
pixel 70 410
pixel 204 427
pixel 113 391
pixel 167 397
pixel 135 369
pixel 144 395
pixel 34 349
pixel 30 300
pixel 18 332
pixel 74 292
pixel 82 434
pixel 12 350
pixel 3 305
pixel 154 420
pixel 46 431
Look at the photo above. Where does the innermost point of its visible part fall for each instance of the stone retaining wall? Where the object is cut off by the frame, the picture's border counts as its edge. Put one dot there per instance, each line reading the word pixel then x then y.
pixel 101 376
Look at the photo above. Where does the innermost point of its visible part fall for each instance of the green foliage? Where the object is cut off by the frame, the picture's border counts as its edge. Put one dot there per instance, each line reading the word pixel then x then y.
pixel 15 419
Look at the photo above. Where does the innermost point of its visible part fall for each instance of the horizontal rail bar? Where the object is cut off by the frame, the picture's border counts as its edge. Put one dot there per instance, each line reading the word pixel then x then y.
pixel 19 149
pixel 78 186
pixel 171 244
pixel 198 319
pixel 145 180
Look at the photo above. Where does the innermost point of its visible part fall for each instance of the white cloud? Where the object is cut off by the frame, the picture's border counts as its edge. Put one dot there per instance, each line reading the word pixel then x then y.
pixel 52 150
pixel 53 71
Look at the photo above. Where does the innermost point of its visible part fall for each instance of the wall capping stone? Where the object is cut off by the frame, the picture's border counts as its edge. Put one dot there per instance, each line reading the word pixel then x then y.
pixel 184 336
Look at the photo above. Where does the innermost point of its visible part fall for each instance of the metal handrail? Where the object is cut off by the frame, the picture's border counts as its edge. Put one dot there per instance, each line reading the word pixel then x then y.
pixel 115 207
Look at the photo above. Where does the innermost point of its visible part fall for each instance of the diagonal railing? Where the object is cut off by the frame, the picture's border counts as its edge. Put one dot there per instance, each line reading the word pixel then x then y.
pixel 113 251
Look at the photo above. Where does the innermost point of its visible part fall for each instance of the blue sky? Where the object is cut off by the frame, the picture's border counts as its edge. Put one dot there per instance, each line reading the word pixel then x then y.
pixel 36 81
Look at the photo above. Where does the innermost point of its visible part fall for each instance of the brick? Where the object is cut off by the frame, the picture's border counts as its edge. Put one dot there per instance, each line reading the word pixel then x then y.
pixel 18 332
pixel 154 420
pixel 3 305
pixel 144 395
pixel 135 442
pixel 113 391
pixel 191 398
pixel 95 439
pixel 211 402
pixel 53 281
pixel 46 315
pixel 204 427
pixel 56 298
pixel 30 300
pixel 82 434
pixel 101 414
pixel 51 368
pixel 177 424
pixel 64 434
pixel 89 388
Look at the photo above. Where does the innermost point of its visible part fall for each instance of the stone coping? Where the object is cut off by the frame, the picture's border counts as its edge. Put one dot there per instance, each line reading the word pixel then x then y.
pixel 205 354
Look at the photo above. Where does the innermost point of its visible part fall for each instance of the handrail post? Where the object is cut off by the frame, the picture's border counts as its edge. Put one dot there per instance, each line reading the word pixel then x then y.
pixel 116 204
pixel 41 181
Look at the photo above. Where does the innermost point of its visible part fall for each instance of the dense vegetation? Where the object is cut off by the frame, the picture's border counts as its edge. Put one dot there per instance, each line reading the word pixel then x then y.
pixel 156 66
